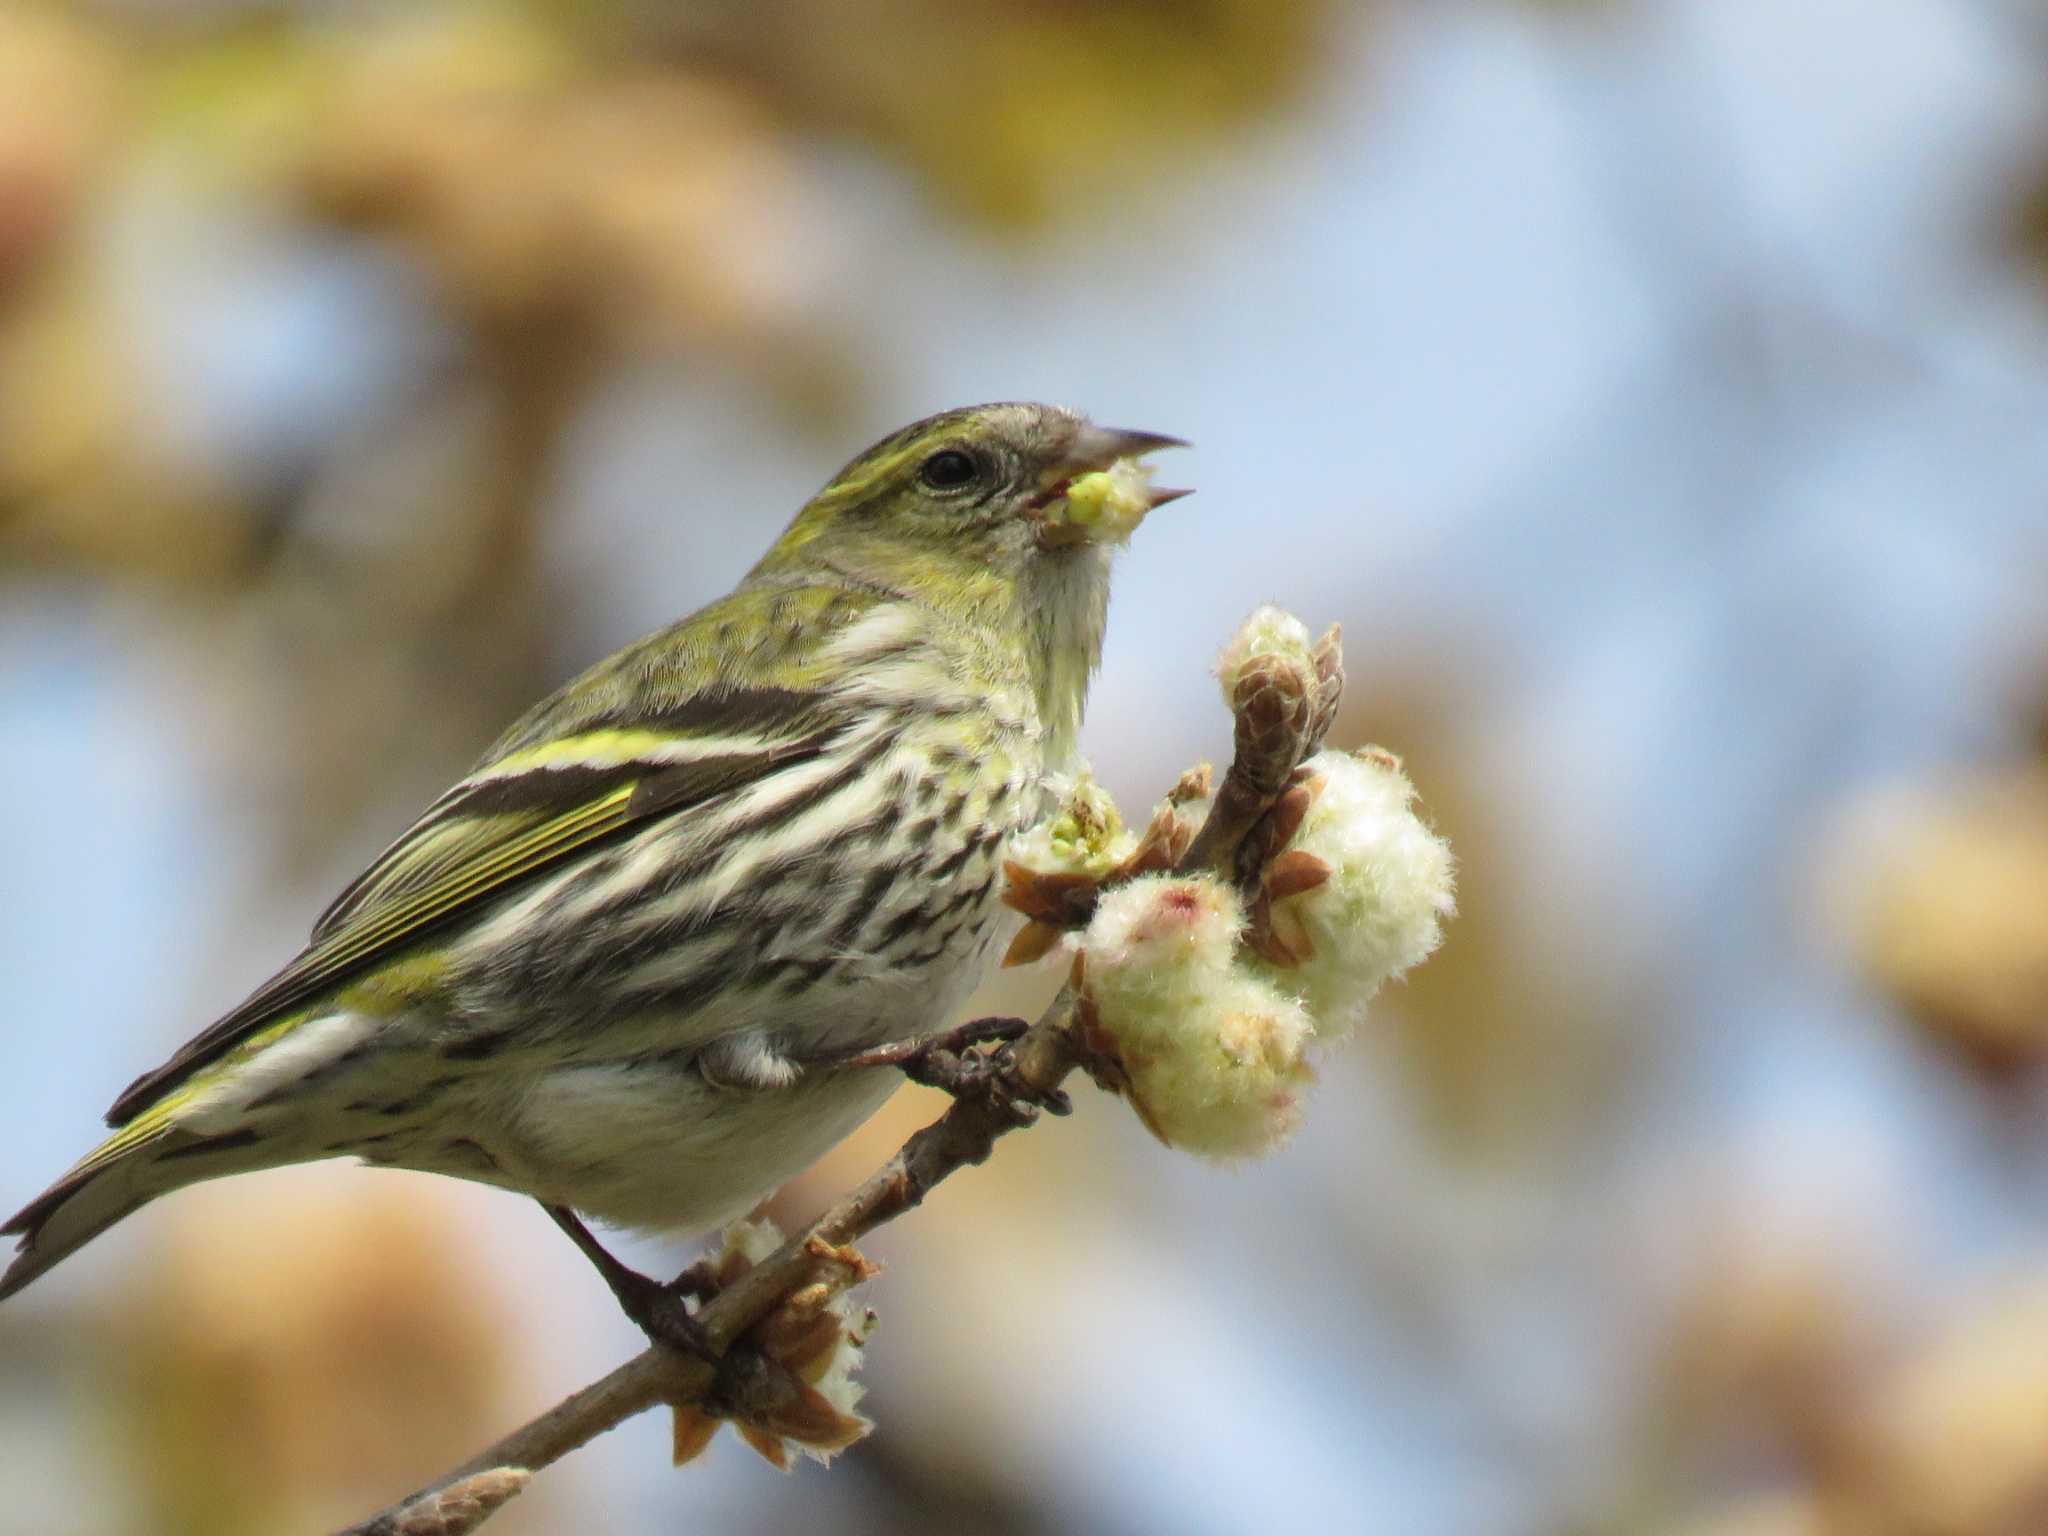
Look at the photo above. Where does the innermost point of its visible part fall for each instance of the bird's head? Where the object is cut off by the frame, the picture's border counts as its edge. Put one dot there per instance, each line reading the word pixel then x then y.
pixel 1001 518
pixel 982 489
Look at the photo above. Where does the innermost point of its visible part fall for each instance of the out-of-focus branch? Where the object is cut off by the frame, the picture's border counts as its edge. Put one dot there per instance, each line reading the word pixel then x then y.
pixel 1281 719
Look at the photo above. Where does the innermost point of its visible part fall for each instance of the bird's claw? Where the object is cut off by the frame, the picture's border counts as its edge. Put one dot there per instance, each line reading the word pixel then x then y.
pixel 659 1310
pixel 971 1060
pixel 990 1076
pixel 699 1282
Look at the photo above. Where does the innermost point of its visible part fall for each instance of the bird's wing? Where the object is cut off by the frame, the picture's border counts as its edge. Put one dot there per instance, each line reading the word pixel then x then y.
pixel 551 795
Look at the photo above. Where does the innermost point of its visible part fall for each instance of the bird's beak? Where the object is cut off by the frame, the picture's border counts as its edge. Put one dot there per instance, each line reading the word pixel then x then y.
pixel 1098 491
pixel 1099 447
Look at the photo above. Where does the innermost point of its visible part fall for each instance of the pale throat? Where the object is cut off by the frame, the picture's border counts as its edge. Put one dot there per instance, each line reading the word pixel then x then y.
pixel 1005 603
pixel 1067 608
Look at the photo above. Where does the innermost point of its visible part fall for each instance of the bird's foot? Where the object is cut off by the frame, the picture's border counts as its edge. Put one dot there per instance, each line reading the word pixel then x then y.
pixel 699 1282
pixel 971 1060
pixel 990 1076
pixel 661 1311
pixel 993 1076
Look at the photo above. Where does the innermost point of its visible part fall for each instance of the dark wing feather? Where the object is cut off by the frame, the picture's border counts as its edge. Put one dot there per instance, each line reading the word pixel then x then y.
pixel 481 841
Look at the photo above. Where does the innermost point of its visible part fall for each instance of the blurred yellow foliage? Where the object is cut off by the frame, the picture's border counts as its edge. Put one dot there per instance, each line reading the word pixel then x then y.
pixel 1020 113
pixel 1954 1437
pixel 60 109
pixel 652 201
pixel 301 1338
pixel 1944 896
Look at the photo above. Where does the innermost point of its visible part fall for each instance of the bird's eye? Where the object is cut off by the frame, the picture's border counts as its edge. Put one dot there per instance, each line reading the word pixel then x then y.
pixel 948 469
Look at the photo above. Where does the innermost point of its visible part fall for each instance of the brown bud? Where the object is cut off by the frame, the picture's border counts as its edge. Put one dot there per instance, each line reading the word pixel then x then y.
pixel 1065 900
pixel 808 1417
pixel 1284 820
pixel 797 1338
pixel 1329 660
pixel 1166 838
pixel 857 1265
pixel 1275 707
pixel 1293 872
pixel 462 1506
pixel 1195 784
pixel 1034 941
pixel 1095 1049
pixel 808 1300
pixel 771 1405
pixel 1259 936
pixel 768 1444
pixel 692 1431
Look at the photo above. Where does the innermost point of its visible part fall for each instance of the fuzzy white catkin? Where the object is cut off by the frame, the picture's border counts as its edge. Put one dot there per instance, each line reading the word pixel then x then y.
pixel 1214 1054
pixel 748 1239
pixel 1266 631
pixel 1160 936
pixel 1390 888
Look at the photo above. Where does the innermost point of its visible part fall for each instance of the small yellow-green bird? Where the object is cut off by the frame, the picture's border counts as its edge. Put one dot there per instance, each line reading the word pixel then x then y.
pixel 609 968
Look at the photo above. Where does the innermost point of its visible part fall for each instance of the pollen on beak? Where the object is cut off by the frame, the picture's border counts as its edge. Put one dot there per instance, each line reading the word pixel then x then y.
pixel 1104 446
pixel 1100 492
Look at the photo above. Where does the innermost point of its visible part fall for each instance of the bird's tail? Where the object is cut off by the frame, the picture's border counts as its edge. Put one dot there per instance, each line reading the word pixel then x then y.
pixel 118 1178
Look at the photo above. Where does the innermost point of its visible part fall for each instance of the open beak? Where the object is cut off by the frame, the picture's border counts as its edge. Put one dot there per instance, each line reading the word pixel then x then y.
pixel 1098 491
pixel 1096 448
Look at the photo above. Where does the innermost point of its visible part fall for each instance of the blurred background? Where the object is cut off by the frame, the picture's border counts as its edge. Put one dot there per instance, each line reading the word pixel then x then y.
pixel 1655 389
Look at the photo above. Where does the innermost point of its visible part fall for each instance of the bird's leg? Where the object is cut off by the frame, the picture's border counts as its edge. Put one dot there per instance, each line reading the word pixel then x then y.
pixel 949 1062
pixel 657 1310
